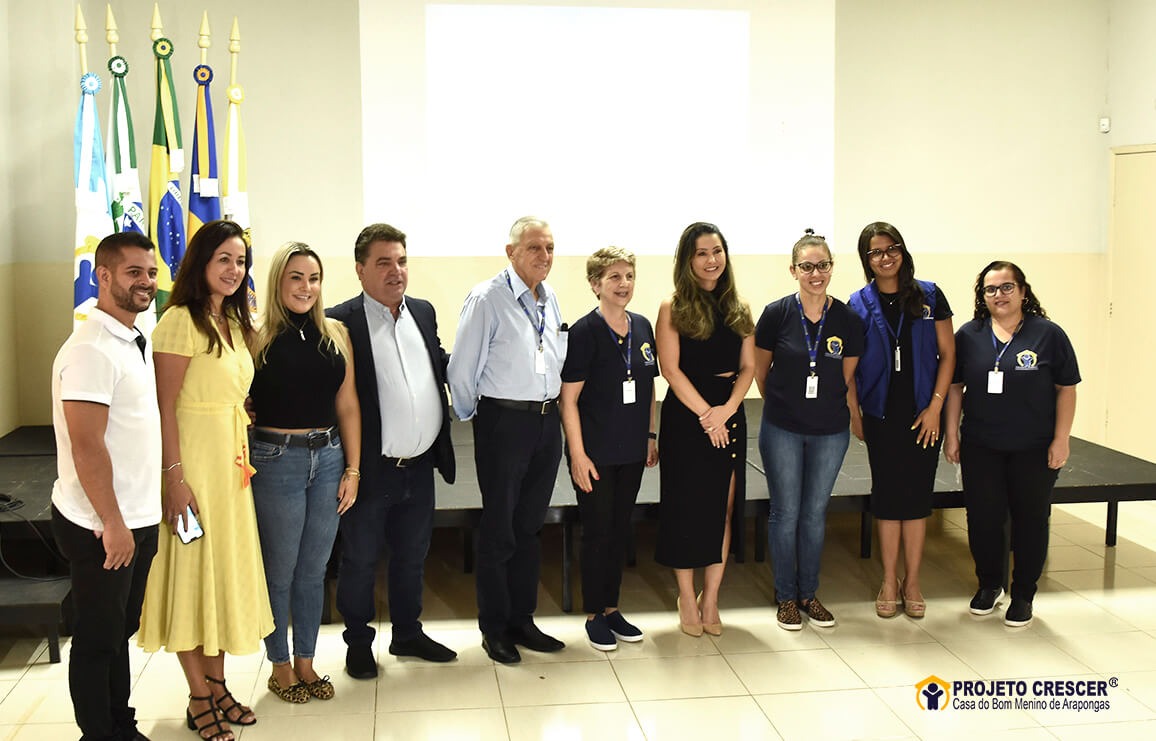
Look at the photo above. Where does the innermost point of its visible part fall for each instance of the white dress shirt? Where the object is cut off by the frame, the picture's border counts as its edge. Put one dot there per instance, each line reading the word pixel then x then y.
pixel 407 391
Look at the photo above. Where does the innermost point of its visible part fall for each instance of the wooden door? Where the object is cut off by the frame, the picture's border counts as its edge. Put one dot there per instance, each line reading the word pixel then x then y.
pixel 1131 388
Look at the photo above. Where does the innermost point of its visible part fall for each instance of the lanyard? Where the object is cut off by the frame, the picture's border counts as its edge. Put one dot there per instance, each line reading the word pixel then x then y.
pixel 626 356
pixel 995 343
pixel 895 333
pixel 812 347
pixel 540 327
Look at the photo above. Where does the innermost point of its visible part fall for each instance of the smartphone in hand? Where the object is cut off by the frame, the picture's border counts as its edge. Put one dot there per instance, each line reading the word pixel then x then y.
pixel 188 529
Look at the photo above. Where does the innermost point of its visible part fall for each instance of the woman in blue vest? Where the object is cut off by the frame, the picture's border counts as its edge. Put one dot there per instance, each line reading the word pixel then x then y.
pixel 902 381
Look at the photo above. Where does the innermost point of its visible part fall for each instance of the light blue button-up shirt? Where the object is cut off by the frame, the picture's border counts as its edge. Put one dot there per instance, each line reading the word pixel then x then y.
pixel 494 352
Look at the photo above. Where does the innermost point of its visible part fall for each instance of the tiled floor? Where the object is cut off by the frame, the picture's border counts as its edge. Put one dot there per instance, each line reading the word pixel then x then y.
pixel 1095 618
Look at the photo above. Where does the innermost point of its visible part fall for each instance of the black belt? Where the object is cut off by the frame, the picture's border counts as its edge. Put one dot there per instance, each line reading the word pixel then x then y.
pixel 403 462
pixel 537 407
pixel 310 440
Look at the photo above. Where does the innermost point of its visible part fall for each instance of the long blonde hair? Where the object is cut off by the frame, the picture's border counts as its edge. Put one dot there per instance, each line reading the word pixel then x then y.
pixel 275 317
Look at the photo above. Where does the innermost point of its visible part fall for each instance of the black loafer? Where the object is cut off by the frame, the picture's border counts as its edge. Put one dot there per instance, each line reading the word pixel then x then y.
pixel 534 639
pixel 422 646
pixel 500 649
pixel 359 662
pixel 1019 614
pixel 985 600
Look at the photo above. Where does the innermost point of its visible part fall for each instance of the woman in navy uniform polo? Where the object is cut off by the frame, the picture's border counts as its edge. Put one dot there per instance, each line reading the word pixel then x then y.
pixel 607 407
pixel 807 345
pixel 1015 385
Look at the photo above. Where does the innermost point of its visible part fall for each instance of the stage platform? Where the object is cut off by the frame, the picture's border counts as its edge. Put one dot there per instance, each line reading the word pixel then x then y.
pixel 1093 474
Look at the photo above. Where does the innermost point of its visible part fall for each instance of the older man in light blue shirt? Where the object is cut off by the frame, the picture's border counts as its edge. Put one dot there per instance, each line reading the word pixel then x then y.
pixel 505 374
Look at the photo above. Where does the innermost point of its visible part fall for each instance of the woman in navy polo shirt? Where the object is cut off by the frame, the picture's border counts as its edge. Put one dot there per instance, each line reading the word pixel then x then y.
pixel 807 345
pixel 902 381
pixel 1015 385
pixel 607 407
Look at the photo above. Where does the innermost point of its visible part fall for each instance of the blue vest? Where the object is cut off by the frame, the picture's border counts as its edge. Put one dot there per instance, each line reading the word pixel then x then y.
pixel 873 374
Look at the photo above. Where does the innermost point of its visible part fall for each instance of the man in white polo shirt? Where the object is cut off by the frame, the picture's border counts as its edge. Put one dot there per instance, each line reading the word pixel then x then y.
pixel 106 502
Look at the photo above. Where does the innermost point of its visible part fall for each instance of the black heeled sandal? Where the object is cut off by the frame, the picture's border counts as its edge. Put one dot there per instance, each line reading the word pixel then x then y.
pixel 219 732
pixel 232 706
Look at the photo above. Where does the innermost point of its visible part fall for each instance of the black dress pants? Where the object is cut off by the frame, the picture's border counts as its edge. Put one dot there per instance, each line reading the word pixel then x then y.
pixel 605 515
pixel 997 483
pixel 107 604
pixel 516 453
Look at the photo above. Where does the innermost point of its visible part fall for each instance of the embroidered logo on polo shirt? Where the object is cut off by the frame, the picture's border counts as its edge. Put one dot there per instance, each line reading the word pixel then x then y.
pixel 1027 360
pixel 647 353
pixel 926 311
pixel 835 347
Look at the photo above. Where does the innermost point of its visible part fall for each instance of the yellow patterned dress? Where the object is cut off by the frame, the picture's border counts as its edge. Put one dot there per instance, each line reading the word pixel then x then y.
pixel 211 592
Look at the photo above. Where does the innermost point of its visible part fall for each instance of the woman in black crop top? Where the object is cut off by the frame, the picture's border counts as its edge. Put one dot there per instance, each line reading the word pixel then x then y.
pixel 705 337
pixel 306 445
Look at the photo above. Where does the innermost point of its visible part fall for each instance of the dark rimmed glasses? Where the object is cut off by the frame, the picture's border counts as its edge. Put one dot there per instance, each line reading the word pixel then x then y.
pixel 893 251
pixel 823 266
pixel 1004 288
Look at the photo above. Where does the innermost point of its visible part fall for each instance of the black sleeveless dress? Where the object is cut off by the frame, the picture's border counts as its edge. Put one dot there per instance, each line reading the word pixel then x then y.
pixel 695 476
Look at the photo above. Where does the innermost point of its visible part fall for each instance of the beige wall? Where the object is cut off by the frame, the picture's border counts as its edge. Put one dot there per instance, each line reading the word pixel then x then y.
pixel 9 407
pixel 971 126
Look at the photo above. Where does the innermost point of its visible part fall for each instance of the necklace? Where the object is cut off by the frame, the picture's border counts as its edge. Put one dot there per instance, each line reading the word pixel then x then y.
pixel 300 329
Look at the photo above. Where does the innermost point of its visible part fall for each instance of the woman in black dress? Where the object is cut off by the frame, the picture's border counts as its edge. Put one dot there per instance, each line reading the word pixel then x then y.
pixel 902 381
pixel 705 336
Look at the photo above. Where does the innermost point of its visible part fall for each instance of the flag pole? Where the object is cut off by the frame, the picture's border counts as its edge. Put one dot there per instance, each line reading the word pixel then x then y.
pixel 93 217
pixel 111 32
pixel 204 185
pixel 235 180
pixel 82 40
pixel 166 213
pixel 203 39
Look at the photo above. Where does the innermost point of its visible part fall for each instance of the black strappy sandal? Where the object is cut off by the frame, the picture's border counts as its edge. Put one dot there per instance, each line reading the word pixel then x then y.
pixel 216 725
pixel 232 705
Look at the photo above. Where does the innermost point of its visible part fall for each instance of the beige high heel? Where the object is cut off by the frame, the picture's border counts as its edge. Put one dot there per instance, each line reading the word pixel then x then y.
pixel 694 630
pixel 889 608
pixel 915 608
pixel 714 629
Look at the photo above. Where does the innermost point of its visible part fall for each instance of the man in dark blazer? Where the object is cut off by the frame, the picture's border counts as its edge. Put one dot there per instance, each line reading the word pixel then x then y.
pixel 400 368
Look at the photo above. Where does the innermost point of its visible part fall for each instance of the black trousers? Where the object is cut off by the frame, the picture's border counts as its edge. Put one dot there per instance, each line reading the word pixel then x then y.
pixel 401 516
pixel 999 483
pixel 107 604
pixel 605 514
pixel 516 454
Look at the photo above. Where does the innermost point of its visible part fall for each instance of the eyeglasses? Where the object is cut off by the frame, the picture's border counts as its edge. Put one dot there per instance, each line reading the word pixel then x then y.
pixel 893 251
pixel 810 267
pixel 1004 288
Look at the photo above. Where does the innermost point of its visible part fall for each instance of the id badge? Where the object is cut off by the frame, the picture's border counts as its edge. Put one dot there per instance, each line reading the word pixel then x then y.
pixel 995 382
pixel 812 387
pixel 628 391
pixel 898 361
pixel 540 362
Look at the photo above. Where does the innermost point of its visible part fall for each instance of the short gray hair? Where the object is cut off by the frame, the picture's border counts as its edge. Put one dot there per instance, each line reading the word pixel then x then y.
pixel 597 263
pixel 521 225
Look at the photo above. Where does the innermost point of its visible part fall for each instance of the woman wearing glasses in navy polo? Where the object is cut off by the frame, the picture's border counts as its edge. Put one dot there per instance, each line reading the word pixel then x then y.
pixel 1015 385
pixel 902 382
pixel 807 345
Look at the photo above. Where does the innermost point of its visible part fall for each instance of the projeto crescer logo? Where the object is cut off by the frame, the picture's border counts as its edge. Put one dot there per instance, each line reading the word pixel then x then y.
pixel 935 693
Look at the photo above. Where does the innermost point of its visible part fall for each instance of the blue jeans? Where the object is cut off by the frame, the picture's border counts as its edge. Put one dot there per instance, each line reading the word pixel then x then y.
pixel 295 495
pixel 801 472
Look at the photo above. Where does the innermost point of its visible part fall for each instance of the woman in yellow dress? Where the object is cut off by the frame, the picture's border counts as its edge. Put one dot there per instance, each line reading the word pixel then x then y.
pixel 207 597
